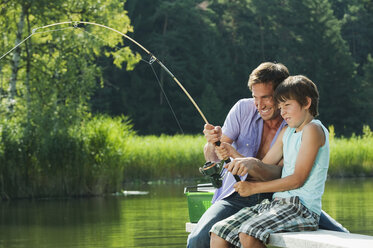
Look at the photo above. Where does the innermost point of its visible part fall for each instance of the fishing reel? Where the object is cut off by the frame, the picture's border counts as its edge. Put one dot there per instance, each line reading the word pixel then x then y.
pixel 213 170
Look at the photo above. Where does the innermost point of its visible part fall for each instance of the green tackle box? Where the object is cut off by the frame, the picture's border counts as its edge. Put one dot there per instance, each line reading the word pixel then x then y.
pixel 199 200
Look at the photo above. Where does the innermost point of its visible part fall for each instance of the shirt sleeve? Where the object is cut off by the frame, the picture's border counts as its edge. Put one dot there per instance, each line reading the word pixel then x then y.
pixel 231 127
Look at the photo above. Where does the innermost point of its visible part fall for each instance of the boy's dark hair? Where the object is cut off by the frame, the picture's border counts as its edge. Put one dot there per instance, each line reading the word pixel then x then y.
pixel 268 72
pixel 298 88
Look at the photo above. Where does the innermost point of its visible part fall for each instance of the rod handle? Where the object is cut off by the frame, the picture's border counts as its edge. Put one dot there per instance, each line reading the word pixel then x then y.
pixel 228 160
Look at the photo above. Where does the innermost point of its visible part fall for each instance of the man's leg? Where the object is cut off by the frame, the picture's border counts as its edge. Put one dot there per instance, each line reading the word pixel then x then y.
pixel 328 223
pixel 200 237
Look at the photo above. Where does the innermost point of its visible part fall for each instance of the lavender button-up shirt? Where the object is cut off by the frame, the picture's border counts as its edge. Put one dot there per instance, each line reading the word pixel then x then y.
pixel 244 126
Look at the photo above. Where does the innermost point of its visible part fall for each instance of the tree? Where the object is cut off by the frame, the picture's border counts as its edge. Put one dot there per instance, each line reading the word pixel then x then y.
pixel 170 29
pixel 366 101
pixel 57 68
pixel 357 30
pixel 46 85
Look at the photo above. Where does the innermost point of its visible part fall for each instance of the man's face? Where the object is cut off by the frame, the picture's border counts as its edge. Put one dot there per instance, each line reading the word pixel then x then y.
pixel 264 102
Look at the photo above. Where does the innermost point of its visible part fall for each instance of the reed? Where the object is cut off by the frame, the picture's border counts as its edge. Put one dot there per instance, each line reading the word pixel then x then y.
pixel 180 156
pixel 351 156
pixel 84 159
pixel 100 154
pixel 164 157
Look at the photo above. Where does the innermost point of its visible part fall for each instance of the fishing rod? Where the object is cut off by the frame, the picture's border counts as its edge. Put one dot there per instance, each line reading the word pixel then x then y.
pixel 209 168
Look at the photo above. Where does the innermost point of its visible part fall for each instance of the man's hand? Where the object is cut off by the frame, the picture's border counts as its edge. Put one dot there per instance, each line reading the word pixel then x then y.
pixel 212 133
pixel 241 166
pixel 226 150
pixel 245 188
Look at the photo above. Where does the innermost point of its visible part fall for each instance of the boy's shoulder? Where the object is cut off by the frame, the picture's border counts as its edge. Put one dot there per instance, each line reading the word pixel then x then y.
pixel 315 132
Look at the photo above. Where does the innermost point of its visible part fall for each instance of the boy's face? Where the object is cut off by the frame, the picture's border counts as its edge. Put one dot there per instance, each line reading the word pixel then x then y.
pixel 264 101
pixel 293 113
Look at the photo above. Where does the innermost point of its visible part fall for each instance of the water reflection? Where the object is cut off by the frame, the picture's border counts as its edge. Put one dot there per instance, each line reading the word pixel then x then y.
pixel 153 220
pixel 350 201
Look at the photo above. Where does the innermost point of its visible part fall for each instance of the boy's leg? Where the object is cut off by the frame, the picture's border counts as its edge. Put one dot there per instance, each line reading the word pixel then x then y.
pixel 328 223
pixel 249 241
pixel 228 229
pixel 200 236
pixel 286 214
pixel 218 242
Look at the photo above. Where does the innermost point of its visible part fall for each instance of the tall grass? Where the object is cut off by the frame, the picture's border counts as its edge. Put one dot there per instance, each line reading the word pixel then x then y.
pixel 351 156
pixel 180 156
pixel 162 157
pixel 98 155
pixel 84 159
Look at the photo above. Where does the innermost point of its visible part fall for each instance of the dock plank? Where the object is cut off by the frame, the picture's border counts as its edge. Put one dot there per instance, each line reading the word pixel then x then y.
pixel 316 239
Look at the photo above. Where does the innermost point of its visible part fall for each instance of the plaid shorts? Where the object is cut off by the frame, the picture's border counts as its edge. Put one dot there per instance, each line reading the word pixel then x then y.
pixel 259 221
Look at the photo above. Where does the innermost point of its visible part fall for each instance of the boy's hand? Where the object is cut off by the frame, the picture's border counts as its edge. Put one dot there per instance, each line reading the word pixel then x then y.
pixel 212 133
pixel 244 188
pixel 241 166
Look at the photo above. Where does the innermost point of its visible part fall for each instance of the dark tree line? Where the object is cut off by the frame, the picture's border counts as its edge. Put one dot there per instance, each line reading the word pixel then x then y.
pixel 211 47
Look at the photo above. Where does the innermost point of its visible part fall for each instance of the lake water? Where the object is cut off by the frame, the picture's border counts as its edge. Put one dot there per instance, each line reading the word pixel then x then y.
pixel 153 220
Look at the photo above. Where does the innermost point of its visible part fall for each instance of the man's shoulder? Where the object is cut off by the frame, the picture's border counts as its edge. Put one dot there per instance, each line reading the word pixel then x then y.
pixel 245 105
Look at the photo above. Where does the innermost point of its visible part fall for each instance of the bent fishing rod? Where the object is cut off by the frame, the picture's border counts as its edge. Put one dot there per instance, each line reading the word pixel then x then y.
pixel 210 169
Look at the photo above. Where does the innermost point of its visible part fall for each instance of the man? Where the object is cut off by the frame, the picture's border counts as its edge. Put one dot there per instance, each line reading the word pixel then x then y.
pixel 252 127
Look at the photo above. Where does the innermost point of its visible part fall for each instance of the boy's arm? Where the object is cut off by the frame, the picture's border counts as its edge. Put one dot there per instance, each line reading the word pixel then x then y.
pixel 265 170
pixel 313 138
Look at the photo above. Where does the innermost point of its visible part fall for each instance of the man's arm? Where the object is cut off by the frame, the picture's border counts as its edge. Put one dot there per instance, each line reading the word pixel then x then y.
pixel 312 139
pixel 212 135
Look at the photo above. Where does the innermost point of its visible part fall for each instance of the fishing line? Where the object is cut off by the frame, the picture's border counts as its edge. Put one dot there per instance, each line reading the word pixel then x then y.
pixel 168 102
pixel 209 168
pixel 20 43
pixel 153 58
pixel 151 61
pixel 5 54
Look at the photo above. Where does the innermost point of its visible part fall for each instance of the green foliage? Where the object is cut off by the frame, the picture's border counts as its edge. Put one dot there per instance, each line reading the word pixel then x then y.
pixel 54 73
pixel 170 29
pixel 105 149
pixel 164 157
pixel 46 86
pixel 212 46
pixel 50 143
pixel 86 159
pixel 98 155
pixel 356 29
pixel 352 156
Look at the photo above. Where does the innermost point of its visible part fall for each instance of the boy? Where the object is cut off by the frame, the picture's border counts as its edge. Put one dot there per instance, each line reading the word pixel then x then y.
pixel 296 206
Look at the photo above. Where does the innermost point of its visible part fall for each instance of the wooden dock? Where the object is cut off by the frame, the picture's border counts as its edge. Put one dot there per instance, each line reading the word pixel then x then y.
pixel 316 239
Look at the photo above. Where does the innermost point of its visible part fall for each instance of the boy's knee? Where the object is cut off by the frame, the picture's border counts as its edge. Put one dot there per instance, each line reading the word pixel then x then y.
pixel 249 241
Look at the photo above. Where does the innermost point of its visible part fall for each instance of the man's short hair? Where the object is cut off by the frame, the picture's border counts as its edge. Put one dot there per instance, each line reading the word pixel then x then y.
pixel 298 88
pixel 268 72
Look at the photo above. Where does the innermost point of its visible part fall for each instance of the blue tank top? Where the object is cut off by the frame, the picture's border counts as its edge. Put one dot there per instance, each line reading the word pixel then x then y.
pixel 311 192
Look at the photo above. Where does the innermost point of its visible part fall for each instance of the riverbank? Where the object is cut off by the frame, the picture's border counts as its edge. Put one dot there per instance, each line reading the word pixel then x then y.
pixel 353 156
pixel 99 156
pixel 180 156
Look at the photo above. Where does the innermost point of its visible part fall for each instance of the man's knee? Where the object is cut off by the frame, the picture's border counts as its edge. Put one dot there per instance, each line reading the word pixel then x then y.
pixel 328 223
pixel 198 239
